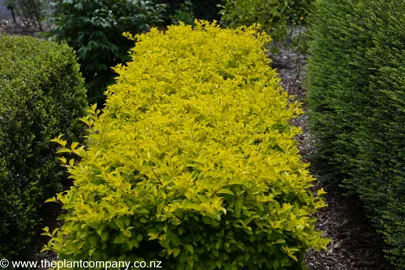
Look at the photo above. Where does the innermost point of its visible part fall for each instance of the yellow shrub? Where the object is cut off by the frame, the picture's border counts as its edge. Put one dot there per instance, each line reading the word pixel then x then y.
pixel 193 161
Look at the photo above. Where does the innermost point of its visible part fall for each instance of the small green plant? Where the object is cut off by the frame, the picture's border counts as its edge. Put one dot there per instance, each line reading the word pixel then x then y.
pixel 192 162
pixel 94 29
pixel 42 94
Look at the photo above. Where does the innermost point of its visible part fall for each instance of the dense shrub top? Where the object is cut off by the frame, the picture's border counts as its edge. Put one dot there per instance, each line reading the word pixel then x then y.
pixel 42 94
pixel 192 161
pixel 356 98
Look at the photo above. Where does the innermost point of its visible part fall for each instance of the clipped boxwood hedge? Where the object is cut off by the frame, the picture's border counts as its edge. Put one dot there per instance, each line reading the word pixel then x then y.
pixel 192 162
pixel 41 95
pixel 356 97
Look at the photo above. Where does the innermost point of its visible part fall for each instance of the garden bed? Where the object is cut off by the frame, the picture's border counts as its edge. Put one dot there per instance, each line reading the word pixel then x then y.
pixel 355 245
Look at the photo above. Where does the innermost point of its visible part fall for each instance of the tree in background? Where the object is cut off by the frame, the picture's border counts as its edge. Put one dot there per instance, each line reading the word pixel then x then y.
pixel 94 29
pixel 30 12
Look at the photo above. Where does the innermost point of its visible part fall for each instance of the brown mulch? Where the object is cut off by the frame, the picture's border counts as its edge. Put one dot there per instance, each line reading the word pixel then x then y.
pixel 355 244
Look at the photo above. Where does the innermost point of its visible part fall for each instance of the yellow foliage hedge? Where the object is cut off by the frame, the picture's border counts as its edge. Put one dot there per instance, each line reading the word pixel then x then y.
pixel 192 162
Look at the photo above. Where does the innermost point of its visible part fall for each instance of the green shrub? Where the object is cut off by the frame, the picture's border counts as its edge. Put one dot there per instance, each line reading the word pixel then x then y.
pixel 275 16
pixel 41 95
pixel 356 96
pixel 94 29
pixel 192 162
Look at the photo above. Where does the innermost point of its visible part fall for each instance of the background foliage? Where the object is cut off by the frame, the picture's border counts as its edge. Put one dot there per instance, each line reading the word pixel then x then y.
pixel 94 29
pixel 356 96
pixel 31 12
pixel 193 161
pixel 183 13
pixel 201 9
pixel 41 95
pixel 275 16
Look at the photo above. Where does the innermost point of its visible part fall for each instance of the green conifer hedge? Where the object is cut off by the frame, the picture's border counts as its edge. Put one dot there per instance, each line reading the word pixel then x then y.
pixel 357 102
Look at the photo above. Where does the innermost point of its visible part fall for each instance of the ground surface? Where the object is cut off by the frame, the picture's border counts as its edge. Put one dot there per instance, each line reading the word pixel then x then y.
pixel 17 27
pixel 355 245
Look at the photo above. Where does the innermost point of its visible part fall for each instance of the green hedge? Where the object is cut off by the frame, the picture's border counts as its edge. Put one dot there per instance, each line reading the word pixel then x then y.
pixel 193 161
pixel 41 95
pixel 357 103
